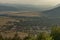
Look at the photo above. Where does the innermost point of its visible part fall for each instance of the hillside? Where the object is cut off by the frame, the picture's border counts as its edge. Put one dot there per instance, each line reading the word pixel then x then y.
pixel 53 13
pixel 7 8
pixel 14 7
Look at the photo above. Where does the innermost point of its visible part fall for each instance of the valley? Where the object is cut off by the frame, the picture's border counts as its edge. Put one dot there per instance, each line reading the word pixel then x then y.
pixel 26 23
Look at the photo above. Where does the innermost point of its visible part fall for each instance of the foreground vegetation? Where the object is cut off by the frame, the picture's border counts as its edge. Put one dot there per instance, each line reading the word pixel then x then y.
pixel 53 35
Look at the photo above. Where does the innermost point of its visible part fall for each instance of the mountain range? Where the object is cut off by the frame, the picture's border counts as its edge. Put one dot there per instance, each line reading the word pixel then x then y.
pixel 7 8
pixel 22 7
pixel 55 13
pixel 16 7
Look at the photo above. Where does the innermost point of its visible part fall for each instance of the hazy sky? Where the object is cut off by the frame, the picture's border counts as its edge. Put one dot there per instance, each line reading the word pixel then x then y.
pixel 33 2
pixel 48 3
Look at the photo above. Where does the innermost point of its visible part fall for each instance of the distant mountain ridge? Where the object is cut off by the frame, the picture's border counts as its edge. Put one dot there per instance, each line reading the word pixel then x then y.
pixel 7 8
pixel 53 12
pixel 16 7
pixel 23 7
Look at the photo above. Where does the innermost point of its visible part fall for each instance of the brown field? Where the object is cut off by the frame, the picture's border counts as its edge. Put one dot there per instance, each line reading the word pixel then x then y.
pixel 4 20
pixel 11 34
pixel 30 14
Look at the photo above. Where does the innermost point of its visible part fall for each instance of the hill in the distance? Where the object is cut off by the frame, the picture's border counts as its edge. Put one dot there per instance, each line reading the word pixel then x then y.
pixel 53 12
pixel 7 8
pixel 16 7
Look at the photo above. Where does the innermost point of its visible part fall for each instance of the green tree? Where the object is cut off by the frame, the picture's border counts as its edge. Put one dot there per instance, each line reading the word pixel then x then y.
pixel 55 33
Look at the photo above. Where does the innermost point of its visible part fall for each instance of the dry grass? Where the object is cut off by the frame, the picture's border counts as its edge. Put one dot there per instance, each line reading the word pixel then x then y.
pixel 4 20
pixel 31 14
pixel 11 34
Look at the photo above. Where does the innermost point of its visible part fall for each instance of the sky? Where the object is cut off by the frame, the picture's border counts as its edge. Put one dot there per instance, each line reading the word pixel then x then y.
pixel 44 3
pixel 33 2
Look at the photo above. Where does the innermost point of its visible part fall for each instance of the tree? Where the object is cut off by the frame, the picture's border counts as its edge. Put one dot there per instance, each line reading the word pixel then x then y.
pixel 55 33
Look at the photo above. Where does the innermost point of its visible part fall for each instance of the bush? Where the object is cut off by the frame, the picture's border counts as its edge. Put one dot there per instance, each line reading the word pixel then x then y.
pixel 55 33
pixel 44 36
